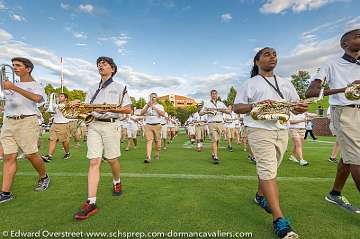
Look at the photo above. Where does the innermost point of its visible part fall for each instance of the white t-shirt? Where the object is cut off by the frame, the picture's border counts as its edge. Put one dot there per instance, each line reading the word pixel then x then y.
pixel 297 117
pixel 256 89
pixel 230 120
pixel 59 117
pixel 132 124
pixel 152 116
pixel 16 104
pixel 163 120
pixel 109 95
pixel 218 117
pixel 339 73
pixel 309 125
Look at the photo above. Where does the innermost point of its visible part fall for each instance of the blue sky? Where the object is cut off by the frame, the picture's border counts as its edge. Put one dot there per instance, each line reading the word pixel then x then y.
pixel 172 46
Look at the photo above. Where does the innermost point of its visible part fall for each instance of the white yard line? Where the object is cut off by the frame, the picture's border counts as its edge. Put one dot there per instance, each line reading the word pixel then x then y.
pixel 184 176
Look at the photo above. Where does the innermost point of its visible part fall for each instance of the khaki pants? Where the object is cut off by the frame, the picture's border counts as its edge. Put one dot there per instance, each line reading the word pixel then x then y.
pixel 103 140
pixel 152 132
pixel 346 122
pixel 268 147
pixel 60 132
pixel 215 130
pixel 23 133
pixel 296 133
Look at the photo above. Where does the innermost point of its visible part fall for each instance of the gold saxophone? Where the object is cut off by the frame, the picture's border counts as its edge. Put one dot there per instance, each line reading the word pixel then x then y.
pixel 277 110
pixel 352 92
pixel 83 111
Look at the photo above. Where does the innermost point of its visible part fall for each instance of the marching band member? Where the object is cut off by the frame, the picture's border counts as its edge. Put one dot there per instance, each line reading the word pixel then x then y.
pixel 59 131
pixel 214 110
pixel 297 133
pixel 132 129
pixel 345 113
pixel 164 130
pixel 230 127
pixel 20 126
pixel 152 111
pixel 268 139
pixel 103 140
pixel 199 130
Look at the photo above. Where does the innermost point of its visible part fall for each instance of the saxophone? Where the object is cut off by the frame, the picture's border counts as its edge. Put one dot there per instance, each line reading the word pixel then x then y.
pixel 352 92
pixel 83 110
pixel 277 110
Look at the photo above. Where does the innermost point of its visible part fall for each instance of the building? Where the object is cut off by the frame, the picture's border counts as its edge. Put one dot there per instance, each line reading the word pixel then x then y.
pixel 178 100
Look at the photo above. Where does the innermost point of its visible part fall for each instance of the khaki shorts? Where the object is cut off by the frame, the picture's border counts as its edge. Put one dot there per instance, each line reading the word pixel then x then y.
pixel 60 132
pixel 215 130
pixel 103 140
pixel 346 121
pixel 132 133
pixel 152 132
pixel 268 147
pixel 230 134
pixel 199 132
pixel 22 133
pixel 164 131
pixel 296 133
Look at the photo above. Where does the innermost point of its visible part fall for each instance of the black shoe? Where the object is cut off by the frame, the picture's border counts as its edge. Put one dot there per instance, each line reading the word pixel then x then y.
pixel 216 160
pixel 252 159
pixel 67 156
pixel 6 197
pixel 230 149
pixel 86 211
pixel 147 161
pixel 46 158
pixel 43 184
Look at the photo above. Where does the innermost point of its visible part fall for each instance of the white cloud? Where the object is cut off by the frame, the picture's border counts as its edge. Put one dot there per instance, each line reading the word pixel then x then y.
pixel 4 36
pixel 119 41
pixel 81 44
pixel 65 6
pixel 17 18
pixel 2 6
pixel 312 51
pixel 226 17
pixel 280 6
pixel 86 8
pixel 80 35
pixel 52 18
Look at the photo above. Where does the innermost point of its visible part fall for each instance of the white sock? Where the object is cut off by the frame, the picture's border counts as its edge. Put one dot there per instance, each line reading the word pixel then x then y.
pixel 92 200
pixel 116 181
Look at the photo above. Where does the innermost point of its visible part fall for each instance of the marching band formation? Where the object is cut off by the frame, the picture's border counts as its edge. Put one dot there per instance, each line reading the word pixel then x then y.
pixel 267 109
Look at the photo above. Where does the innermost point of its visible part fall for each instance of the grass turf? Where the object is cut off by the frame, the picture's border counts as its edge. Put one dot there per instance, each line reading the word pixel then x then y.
pixel 171 200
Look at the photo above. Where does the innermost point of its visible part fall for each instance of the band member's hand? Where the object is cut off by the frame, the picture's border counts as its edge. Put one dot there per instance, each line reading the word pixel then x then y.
pixel 301 107
pixel 74 103
pixel 8 85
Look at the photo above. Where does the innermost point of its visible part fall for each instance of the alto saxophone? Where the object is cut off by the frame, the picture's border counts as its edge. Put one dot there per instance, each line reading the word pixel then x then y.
pixel 352 92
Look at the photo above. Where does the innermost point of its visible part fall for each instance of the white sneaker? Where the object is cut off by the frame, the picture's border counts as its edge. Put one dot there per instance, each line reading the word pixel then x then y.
pixel 303 162
pixel 294 159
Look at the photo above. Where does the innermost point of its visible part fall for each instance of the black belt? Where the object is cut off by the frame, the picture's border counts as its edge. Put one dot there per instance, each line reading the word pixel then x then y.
pixel 19 117
pixel 153 124
pixel 353 106
pixel 215 122
pixel 111 120
pixel 163 124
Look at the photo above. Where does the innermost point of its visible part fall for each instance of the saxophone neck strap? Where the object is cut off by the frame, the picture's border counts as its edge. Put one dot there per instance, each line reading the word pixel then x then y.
pixel 351 59
pixel 101 86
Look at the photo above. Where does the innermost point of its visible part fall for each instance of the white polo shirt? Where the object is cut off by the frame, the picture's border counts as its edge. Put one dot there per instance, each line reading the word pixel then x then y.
pixel 16 104
pixel 297 117
pixel 152 116
pixel 256 89
pixel 339 73
pixel 111 94
pixel 218 117
pixel 131 123
pixel 163 120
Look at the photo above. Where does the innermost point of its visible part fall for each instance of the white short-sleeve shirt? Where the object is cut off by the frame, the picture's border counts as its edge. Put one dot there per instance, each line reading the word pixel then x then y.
pixel 256 89
pixel 300 125
pixel 59 117
pixel 111 94
pixel 152 116
pixel 339 73
pixel 218 117
pixel 16 104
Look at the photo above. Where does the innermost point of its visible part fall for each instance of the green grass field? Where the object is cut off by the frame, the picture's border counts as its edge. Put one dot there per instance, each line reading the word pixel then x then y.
pixel 182 192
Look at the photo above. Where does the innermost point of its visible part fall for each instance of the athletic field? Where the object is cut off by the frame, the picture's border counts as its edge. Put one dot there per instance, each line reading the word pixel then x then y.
pixel 180 194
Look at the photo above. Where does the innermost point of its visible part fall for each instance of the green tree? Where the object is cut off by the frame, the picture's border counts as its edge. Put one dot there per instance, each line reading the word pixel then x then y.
pixel 300 81
pixel 230 97
pixel 49 89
